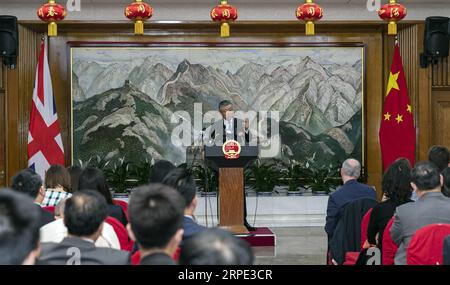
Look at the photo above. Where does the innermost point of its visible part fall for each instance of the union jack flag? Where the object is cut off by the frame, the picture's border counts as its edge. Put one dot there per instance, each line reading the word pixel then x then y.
pixel 44 137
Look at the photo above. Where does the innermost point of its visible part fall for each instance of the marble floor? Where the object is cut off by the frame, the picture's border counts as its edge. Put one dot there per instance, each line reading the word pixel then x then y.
pixel 295 246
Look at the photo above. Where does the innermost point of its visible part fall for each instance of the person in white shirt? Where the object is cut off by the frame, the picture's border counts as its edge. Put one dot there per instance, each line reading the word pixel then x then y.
pixel 56 231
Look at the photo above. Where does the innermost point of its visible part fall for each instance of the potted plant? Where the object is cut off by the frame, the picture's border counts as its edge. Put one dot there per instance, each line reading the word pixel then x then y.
pixel 263 177
pixel 323 179
pixel 119 178
pixel 141 172
pixel 207 180
pixel 296 176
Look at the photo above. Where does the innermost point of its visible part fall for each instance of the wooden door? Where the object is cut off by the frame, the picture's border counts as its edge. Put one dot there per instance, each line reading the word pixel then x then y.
pixel 2 130
pixel 441 124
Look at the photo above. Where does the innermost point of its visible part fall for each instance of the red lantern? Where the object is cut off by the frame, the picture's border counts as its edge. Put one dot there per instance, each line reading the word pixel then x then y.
pixel 392 13
pixel 224 13
pixel 309 12
pixel 139 12
pixel 52 13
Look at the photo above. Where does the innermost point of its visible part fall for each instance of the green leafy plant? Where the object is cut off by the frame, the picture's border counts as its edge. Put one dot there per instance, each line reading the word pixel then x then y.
pixel 95 161
pixel 141 172
pixel 322 179
pixel 118 176
pixel 203 175
pixel 263 177
pixel 296 175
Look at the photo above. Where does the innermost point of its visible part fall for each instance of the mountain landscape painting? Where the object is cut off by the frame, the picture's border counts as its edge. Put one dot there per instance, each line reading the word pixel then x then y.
pixel 123 98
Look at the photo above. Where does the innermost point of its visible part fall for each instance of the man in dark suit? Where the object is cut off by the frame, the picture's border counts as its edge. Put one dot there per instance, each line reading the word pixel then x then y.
pixel 351 190
pixel 231 128
pixel 182 181
pixel 156 223
pixel 84 214
pixel 432 207
pixel 30 183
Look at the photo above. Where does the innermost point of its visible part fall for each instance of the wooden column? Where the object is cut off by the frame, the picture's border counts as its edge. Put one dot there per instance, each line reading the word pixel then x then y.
pixel 231 199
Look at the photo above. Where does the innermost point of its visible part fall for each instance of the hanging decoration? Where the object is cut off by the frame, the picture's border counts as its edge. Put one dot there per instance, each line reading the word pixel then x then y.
pixel 52 13
pixel 392 13
pixel 309 12
pixel 139 12
pixel 224 13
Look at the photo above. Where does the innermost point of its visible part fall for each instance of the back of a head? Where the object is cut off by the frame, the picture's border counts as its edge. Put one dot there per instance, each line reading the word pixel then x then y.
pixel 446 188
pixel 182 181
pixel 426 176
pixel 396 183
pixel 28 182
pixel 92 178
pixel 84 213
pixel 351 168
pixel 440 156
pixel 156 214
pixel 57 175
pixel 74 172
pixel 19 227
pixel 215 247
pixel 159 170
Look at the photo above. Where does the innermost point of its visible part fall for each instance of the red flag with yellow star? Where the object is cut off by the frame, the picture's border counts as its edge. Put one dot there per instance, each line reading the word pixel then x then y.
pixel 397 132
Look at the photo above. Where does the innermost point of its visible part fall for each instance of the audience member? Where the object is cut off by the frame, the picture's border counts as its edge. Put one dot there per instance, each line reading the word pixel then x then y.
pixel 446 186
pixel 182 181
pixel 216 247
pixel 74 172
pixel 396 186
pixel 30 183
pixel 56 231
pixel 156 223
pixel 19 229
pixel 431 207
pixel 84 216
pixel 159 170
pixel 440 156
pixel 93 179
pixel 57 185
pixel 351 190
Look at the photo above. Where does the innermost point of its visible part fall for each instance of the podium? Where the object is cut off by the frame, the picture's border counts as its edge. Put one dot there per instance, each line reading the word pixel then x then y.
pixel 231 185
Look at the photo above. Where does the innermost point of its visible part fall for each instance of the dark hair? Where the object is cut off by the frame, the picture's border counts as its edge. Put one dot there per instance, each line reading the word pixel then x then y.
pixel 396 182
pixel 182 181
pixel 426 176
pixel 224 103
pixel 446 186
pixel 215 247
pixel 440 156
pixel 156 214
pixel 19 227
pixel 27 181
pixel 85 212
pixel 160 170
pixel 57 175
pixel 92 178
pixel 74 172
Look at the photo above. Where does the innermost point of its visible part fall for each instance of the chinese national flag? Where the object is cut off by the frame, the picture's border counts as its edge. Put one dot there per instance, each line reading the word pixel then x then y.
pixel 397 132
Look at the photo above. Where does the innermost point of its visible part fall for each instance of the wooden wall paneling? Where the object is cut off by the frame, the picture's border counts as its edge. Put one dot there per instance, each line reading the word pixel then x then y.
pixel 2 129
pixel 19 91
pixel 441 111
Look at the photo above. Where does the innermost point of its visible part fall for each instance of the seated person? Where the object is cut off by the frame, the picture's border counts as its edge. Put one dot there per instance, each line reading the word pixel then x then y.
pixel 30 183
pixel 159 170
pixel 84 216
pixel 397 191
pixel 57 185
pixel 351 190
pixel 216 247
pixel 19 230
pixel 182 181
pixel 93 179
pixel 56 231
pixel 156 223
pixel 446 184
pixel 432 207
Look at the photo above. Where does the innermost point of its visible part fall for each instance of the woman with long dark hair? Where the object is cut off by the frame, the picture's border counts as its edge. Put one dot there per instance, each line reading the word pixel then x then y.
pixel 396 186
pixel 92 178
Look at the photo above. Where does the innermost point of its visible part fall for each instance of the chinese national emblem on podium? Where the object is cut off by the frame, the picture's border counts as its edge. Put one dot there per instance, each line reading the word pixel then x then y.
pixel 231 149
